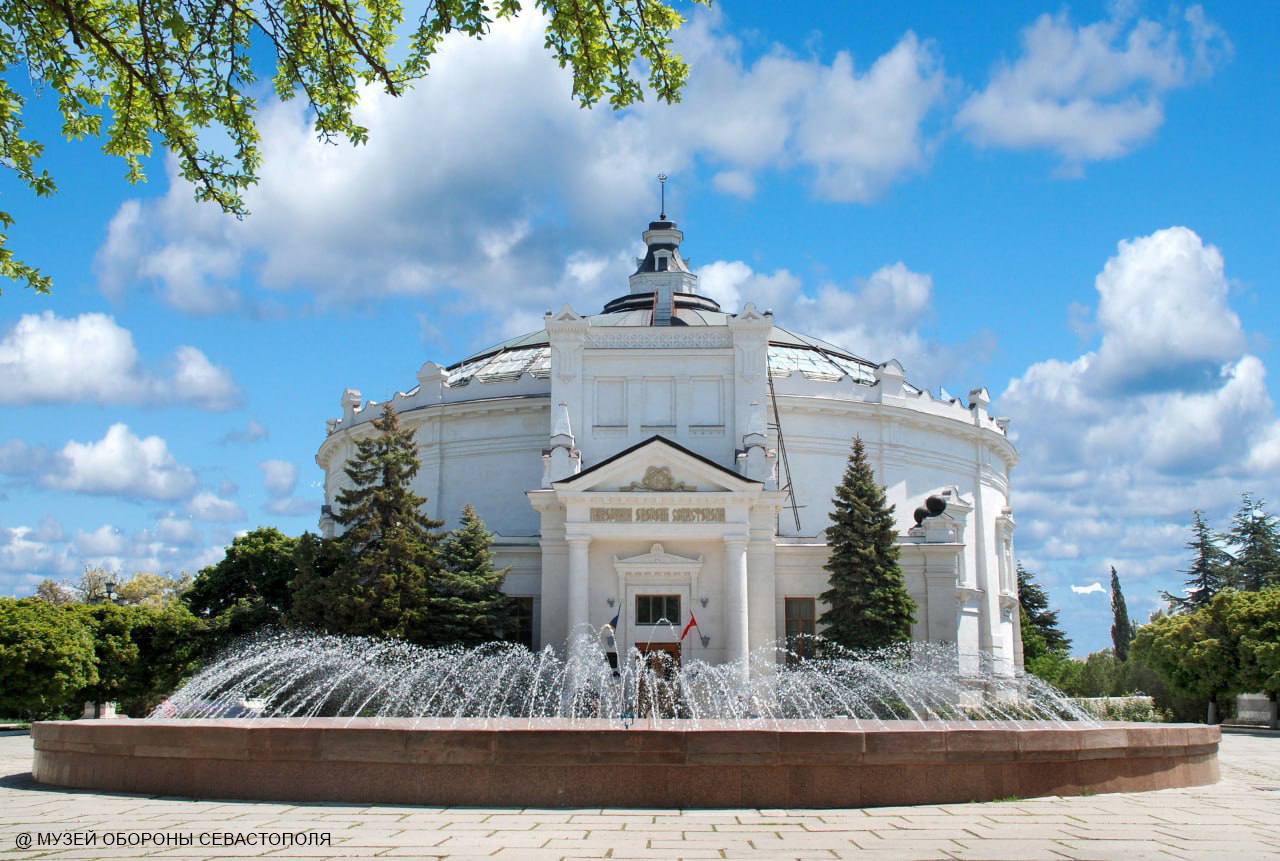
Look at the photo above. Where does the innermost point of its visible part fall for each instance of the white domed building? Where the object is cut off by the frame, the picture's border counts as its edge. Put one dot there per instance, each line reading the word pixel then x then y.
pixel 664 457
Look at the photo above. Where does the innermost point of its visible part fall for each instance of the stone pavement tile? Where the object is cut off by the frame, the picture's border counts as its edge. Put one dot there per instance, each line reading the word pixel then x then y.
pixel 867 824
pixel 1013 850
pixel 1110 850
pixel 1039 818
pixel 781 854
pixel 527 820
pixel 637 852
pixel 919 834
pixel 561 832
pixel 902 852
pixel 605 819
pixel 337 851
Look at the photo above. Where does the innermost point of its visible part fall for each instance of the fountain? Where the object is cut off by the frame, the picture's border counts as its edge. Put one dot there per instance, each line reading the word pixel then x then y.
pixel 309 717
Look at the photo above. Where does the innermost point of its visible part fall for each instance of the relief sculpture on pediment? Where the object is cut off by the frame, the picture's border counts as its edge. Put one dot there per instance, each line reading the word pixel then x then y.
pixel 658 478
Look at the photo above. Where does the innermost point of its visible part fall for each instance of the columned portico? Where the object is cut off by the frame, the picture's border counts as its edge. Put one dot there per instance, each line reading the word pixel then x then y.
pixel 659 538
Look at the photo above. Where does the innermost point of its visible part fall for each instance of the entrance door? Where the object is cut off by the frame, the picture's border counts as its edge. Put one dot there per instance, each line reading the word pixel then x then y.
pixel 662 659
pixel 657 694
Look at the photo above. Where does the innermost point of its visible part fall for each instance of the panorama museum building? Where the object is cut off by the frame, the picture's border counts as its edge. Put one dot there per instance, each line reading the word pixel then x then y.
pixel 661 457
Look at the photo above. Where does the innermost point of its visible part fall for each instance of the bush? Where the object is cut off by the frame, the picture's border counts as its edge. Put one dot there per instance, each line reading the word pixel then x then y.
pixel 1140 709
pixel 46 658
pixel 142 653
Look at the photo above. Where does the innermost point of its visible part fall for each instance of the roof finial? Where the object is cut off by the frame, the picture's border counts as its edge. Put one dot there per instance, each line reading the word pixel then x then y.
pixel 662 185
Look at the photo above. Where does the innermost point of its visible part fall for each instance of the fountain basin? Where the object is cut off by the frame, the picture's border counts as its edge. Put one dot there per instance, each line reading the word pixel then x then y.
pixel 586 763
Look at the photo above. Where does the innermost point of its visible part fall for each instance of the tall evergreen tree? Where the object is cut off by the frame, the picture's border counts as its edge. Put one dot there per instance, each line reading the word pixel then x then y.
pixel 469 605
pixel 1035 604
pixel 1255 535
pixel 868 604
pixel 1208 574
pixel 1122 625
pixel 379 581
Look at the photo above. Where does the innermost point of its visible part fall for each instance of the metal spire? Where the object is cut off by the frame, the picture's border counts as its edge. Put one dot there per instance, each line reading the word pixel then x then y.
pixel 662 184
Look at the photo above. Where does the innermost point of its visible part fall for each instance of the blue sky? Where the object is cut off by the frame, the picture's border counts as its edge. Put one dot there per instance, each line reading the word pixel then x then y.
pixel 1076 206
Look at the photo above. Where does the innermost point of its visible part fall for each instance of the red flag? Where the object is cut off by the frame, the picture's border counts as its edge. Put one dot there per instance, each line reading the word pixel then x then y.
pixel 693 623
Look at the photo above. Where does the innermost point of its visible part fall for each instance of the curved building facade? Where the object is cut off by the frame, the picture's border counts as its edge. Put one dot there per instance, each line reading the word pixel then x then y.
pixel 665 458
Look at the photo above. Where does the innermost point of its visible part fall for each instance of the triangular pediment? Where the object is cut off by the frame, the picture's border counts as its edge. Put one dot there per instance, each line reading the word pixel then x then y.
pixel 657 466
pixel 657 557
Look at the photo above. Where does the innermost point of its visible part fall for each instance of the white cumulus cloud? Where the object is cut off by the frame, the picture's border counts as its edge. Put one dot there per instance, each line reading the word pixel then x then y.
pixel 879 317
pixel 1093 588
pixel 280 479
pixel 1093 91
pixel 91 358
pixel 213 508
pixel 1168 412
pixel 119 464
pixel 485 180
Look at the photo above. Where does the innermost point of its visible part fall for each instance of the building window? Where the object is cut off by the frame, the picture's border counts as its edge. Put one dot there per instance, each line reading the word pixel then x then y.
pixel 523 618
pixel 801 619
pixel 653 609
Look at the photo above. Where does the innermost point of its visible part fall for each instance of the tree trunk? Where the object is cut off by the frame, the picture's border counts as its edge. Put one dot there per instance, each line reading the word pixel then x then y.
pixel 1212 717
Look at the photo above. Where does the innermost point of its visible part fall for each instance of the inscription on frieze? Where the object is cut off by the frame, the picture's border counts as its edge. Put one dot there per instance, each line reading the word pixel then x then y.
pixel 697 515
pixel 653 515
pixel 611 515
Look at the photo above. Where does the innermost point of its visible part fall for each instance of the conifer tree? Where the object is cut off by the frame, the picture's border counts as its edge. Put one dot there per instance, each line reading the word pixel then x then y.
pixel 1256 538
pixel 379 581
pixel 868 604
pixel 1122 625
pixel 468 602
pixel 1208 573
pixel 1035 606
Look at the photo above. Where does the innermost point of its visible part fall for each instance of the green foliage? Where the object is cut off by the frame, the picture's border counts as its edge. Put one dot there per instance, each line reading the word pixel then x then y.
pixel 1192 652
pixel 142 653
pixel 1255 536
pixel 1121 625
pixel 46 657
pixel 1253 618
pixel 1208 574
pixel 1039 623
pixel 180 72
pixel 867 603
pixel 468 603
pixel 377 578
pixel 249 588
pixel 153 590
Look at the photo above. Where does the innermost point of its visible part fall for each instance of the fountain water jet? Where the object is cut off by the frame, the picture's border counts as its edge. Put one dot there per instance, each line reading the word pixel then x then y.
pixel 355 719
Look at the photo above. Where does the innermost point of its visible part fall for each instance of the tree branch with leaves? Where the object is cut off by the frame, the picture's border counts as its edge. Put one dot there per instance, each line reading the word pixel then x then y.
pixel 180 72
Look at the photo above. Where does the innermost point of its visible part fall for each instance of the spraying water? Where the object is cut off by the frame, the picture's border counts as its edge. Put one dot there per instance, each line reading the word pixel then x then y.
pixel 299 675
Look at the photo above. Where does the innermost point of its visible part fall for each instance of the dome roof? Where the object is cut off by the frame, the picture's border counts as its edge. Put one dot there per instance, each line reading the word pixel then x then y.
pixel 664 292
pixel 788 351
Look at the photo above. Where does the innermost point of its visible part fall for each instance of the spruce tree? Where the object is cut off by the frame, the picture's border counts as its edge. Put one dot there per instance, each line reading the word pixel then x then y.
pixel 868 604
pixel 1035 604
pixel 1208 573
pixel 468 603
pixel 379 581
pixel 1256 538
pixel 1122 625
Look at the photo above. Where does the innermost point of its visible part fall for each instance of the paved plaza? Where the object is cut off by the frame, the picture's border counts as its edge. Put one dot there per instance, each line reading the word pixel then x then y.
pixel 1236 819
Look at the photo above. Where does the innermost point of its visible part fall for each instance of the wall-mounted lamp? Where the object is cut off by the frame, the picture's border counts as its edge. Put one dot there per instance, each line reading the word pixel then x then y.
pixel 610 601
pixel 703 600
pixel 706 640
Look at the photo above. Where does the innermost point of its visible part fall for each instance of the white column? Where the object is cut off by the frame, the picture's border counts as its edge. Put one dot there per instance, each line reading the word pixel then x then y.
pixel 579 569
pixel 735 593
